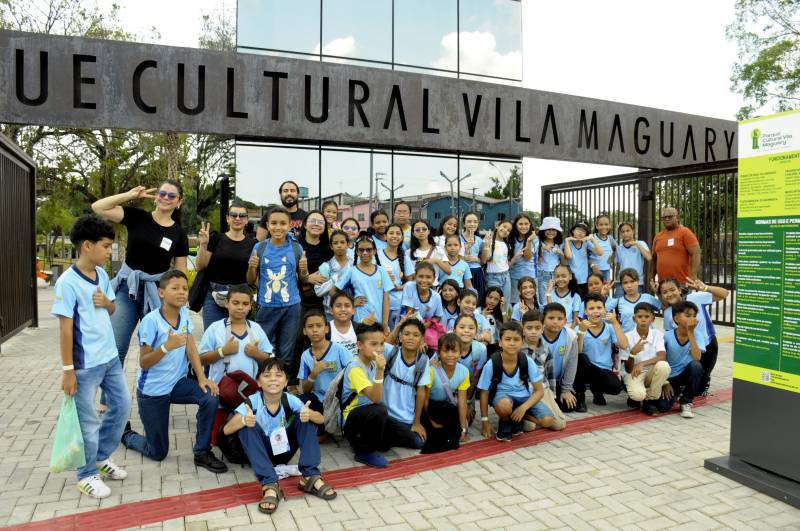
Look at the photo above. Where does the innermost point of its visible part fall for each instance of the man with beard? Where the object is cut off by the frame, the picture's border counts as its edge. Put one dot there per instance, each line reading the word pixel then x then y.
pixel 290 194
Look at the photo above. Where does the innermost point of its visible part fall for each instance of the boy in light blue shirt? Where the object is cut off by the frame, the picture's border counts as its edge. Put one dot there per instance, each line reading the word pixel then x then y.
pixel 166 349
pixel 84 302
pixel 684 352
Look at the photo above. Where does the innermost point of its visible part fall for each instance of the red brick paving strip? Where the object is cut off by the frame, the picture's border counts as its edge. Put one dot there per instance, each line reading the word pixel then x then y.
pixel 161 509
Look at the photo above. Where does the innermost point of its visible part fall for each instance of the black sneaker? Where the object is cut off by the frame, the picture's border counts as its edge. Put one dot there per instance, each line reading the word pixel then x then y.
pixel 706 388
pixel 580 406
pixel 516 429
pixel 650 408
pixel 503 437
pixel 634 404
pixel 599 400
pixel 210 462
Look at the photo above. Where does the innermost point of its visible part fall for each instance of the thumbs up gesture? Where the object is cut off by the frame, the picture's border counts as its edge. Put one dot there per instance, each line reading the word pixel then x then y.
pixel 99 298
pixel 305 413
pixel 249 418
pixel 174 340
pixel 231 346
pixel 303 265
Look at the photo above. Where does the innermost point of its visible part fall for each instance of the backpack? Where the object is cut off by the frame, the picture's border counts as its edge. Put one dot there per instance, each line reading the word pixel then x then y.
pixel 332 405
pixel 261 247
pixel 497 372
pixel 230 445
pixel 419 368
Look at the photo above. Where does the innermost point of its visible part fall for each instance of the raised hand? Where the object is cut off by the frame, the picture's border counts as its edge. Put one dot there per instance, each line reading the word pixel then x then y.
pixel 140 192
pixel 253 261
pixel 251 349
pixel 380 361
pixel 174 340
pixel 303 264
pixel 99 299
pixel 231 346
pixel 249 417
pixel 202 235
pixel 305 412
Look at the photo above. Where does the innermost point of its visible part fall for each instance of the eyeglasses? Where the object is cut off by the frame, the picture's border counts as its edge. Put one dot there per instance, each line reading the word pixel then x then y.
pixel 237 215
pixel 315 222
pixel 365 249
pixel 420 229
pixel 349 227
pixel 670 216
pixel 172 196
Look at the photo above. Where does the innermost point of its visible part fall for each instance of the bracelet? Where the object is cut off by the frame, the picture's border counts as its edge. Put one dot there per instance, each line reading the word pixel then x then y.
pixel 68 368
pixel 377 381
pixel 484 419
pixel 581 332
pixel 164 348
pixel 221 353
pixel 463 430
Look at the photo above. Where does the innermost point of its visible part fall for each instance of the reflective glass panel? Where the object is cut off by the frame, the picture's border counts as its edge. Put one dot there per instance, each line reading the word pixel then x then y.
pixel 425 33
pixel 290 25
pixel 260 169
pixel 491 38
pixel 354 28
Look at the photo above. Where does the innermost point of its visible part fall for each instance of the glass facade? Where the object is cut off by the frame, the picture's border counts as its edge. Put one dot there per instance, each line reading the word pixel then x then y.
pixel 470 39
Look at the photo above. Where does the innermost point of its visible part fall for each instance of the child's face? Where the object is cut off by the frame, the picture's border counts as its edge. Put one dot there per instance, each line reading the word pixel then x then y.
pixel 370 344
pixel 278 225
pixel 532 331
pixel 331 212
pixel 561 277
pixel 450 227
pixel 603 225
pixel 554 321
pixel 273 381
pixel 421 232
pixel 424 278
pixel 578 233
pixel 528 291
pixel 551 234
pixel 492 299
pixel 503 230
pixel 351 229
pixel 315 328
pixel 238 305
pixel 511 342
pixel 685 318
pixel 342 310
pixel 411 338
pixel 643 318
pixel 394 236
pixel 523 226
pixel 626 233
pixel 380 224
pixel 97 252
pixel 402 214
pixel 176 292
pixel 339 245
pixel 452 247
pixel 471 223
pixel 449 356
pixel 594 285
pixel 448 293
pixel 467 305
pixel 630 285
pixel 365 251
pixel 465 330
pixel 670 293
pixel 315 224
pixel 595 311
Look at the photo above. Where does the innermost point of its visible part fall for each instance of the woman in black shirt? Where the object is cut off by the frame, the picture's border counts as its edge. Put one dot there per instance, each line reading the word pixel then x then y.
pixel 224 256
pixel 156 243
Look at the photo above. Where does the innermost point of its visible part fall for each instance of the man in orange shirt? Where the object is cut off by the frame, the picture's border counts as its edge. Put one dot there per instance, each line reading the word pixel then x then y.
pixel 676 251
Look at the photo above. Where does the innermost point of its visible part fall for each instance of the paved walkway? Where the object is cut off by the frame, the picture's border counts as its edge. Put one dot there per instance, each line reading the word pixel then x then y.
pixel 646 474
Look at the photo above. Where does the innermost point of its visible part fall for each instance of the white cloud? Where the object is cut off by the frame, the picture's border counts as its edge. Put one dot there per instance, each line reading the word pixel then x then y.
pixel 479 55
pixel 343 47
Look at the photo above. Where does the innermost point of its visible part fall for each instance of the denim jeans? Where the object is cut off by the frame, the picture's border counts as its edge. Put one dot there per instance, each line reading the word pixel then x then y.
pixel 101 437
pixel 543 278
pixel 685 386
pixel 538 411
pixel 126 316
pixel 302 436
pixel 502 281
pixel 154 412
pixel 212 312
pixel 281 326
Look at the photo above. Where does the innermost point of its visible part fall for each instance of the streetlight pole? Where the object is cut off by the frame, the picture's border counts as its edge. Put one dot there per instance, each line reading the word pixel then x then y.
pixel 392 191
pixel 377 191
pixel 452 193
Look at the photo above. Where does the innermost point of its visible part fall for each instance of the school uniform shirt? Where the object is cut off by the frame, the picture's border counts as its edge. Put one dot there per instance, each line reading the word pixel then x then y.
pixel 348 340
pixel 216 335
pixel 473 250
pixel 516 312
pixel 396 295
pixel 458 272
pixel 92 336
pixel 458 382
pixel 159 379
pixel 449 319
pixel 705 326
pixel 601 260
pixel 579 261
pixel 624 309
pixel 475 359
pixel 399 398
pixel 379 244
pixel 598 347
pixel 498 263
pixel 428 308
pixel 571 302
pixel 679 355
pixel 266 420
pixel 336 357
pixel 422 256
pixel 277 275
pixel 372 286
pixel 333 271
pixel 510 385
pixel 654 343
pixel 357 377
pixel 631 258
pixel 522 267
pixel 483 322
pixel 549 259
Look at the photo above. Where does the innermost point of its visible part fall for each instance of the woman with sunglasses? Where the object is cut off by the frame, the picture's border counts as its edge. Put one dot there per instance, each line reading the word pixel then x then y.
pixel 156 244
pixel 225 257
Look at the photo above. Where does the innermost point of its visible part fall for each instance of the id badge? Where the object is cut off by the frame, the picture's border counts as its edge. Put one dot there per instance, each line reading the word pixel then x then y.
pixel 166 243
pixel 670 242
pixel 279 441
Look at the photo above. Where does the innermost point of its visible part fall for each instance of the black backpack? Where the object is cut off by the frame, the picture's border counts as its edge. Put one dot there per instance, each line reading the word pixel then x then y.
pixel 230 445
pixel 497 372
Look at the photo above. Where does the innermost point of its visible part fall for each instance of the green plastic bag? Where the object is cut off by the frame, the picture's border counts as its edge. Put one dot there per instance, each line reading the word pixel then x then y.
pixel 67 451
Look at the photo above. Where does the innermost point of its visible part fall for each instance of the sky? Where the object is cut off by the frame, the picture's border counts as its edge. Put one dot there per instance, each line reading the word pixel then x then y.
pixel 670 55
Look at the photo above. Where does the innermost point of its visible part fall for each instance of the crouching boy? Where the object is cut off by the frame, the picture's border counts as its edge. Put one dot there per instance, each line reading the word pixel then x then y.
pixel 273 425
pixel 504 383
pixel 646 368
pixel 683 355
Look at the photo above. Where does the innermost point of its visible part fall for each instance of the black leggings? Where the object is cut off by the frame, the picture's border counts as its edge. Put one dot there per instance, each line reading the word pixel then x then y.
pixel 600 381
pixel 369 429
pixel 447 437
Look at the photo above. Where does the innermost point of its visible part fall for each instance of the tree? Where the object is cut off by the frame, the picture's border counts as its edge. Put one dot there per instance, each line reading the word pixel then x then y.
pixel 512 188
pixel 54 218
pixel 767 34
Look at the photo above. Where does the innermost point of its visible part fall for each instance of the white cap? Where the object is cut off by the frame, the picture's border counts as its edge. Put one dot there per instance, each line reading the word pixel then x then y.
pixel 551 223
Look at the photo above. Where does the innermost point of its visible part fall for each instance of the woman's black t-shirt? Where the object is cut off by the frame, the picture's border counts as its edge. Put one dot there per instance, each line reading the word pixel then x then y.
pixel 228 264
pixel 152 247
pixel 316 255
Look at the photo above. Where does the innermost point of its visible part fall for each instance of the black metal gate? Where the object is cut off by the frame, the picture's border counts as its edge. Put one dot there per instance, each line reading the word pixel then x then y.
pixel 18 307
pixel 703 194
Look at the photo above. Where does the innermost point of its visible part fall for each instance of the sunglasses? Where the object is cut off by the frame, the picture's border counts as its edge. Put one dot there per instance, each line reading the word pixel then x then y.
pixel 172 196
pixel 315 222
pixel 420 229
pixel 237 215
pixel 349 227
pixel 365 249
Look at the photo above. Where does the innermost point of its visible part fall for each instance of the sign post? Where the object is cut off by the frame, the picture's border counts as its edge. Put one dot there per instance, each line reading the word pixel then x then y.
pixel 765 427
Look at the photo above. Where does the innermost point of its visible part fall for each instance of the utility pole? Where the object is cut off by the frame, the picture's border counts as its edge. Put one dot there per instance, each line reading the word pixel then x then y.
pixel 452 192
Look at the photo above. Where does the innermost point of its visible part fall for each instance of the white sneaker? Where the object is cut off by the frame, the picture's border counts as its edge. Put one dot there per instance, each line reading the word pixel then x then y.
pixel 94 487
pixel 110 470
pixel 686 411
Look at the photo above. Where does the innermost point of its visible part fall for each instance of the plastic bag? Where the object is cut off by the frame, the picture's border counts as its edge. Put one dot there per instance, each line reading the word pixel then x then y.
pixel 68 453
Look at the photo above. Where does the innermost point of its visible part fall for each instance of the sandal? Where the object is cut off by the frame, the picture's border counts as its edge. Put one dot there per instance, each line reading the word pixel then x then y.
pixel 273 500
pixel 324 491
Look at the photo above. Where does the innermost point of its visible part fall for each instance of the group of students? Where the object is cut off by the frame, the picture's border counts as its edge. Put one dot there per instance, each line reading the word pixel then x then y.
pixel 414 333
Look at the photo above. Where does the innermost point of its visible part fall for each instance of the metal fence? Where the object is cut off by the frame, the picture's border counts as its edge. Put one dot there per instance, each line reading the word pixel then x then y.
pixel 18 307
pixel 703 194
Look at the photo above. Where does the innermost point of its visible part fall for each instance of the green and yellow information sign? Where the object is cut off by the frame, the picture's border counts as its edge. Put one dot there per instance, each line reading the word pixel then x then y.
pixel 767 348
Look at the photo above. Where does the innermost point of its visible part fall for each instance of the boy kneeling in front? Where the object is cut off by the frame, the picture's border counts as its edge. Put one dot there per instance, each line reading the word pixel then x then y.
pixel 272 427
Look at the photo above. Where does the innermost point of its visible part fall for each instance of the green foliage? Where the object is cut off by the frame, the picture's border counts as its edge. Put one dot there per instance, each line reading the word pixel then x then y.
pixel 511 188
pixel 53 215
pixel 767 34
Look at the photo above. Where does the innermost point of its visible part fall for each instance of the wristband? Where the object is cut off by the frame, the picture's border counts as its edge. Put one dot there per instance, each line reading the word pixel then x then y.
pixel 68 368
pixel 463 430
pixel 221 353
pixel 377 381
pixel 164 348
pixel 484 419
